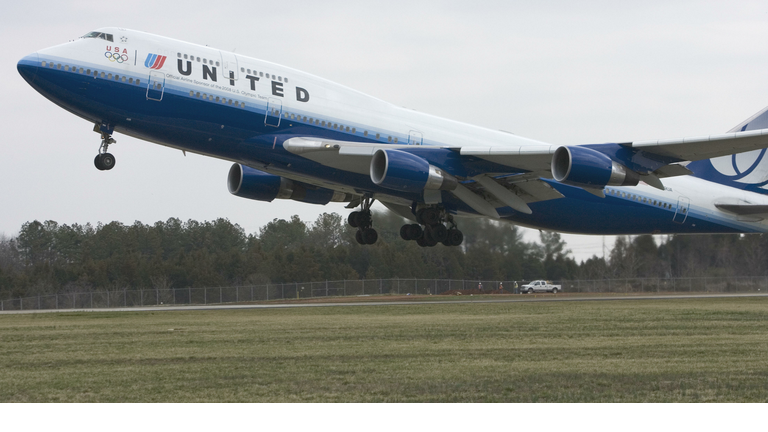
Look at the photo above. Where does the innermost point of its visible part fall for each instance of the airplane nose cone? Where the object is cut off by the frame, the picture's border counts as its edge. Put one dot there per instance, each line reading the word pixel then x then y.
pixel 27 67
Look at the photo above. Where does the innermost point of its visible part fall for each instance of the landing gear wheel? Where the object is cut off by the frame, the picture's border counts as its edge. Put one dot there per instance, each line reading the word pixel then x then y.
pixel 107 161
pixel 455 237
pixel 352 219
pixel 104 161
pixel 438 232
pixel 97 162
pixel 369 236
pixel 416 232
pixel 359 237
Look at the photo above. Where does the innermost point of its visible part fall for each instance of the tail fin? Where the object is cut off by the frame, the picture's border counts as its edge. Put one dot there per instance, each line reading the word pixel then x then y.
pixel 746 171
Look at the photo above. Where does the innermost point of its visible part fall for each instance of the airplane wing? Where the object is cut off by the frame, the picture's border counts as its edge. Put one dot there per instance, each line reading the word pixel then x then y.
pixel 515 178
pixel 484 192
pixel 707 147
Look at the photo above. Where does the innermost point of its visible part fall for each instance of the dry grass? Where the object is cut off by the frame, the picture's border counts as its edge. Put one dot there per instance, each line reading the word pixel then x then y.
pixel 664 350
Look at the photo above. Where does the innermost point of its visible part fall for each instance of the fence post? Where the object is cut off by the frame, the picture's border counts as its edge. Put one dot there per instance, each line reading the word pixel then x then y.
pixel 220 298
pixel 141 297
pixel 205 295
pixel 363 286
pixel 125 298
pixel 345 287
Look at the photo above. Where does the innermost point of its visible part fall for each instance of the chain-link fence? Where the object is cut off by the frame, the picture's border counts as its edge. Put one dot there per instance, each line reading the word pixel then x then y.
pixel 368 287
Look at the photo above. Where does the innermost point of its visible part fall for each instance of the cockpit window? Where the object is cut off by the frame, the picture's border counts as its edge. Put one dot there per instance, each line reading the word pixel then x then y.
pixel 99 35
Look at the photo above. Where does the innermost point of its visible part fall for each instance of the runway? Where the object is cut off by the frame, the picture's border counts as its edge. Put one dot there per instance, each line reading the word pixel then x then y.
pixel 376 302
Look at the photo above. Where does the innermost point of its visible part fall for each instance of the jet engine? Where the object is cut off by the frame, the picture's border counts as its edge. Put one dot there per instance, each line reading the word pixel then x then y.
pixel 584 167
pixel 403 171
pixel 246 182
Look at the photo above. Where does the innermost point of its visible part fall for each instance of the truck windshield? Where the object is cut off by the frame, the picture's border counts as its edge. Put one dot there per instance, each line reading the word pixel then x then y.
pixel 99 35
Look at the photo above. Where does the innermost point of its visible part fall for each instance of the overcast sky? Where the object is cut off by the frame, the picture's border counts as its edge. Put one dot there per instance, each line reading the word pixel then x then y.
pixel 562 72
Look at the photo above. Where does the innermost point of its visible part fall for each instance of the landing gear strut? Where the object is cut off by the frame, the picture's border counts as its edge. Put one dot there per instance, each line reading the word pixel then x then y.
pixel 362 220
pixel 433 230
pixel 104 161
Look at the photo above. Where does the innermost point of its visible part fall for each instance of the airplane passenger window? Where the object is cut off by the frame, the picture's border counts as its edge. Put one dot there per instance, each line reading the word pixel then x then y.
pixel 279 78
pixel 286 79
pixel 185 57
pixel 217 63
pixel 377 136
pixel 365 133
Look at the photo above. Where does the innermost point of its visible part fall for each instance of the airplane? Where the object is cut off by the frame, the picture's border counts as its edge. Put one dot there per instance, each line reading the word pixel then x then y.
pixel 292 135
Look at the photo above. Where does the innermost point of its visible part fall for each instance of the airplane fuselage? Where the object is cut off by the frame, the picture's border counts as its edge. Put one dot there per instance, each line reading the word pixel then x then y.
pixel 232 107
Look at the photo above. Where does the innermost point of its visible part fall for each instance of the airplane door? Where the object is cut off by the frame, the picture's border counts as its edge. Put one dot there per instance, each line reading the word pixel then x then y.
pixel 156 86
pixel 274 111
pixel 415 138
pixel 681 214
pixel 229 63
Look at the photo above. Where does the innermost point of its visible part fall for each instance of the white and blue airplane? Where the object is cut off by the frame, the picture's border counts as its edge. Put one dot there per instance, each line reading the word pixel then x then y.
pixel 295 136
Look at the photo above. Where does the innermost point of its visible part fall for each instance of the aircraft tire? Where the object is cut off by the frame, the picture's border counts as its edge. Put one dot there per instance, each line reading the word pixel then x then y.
pixel 359 237
pixel 405 232
pixel 369 235
pixel 97 162
pixel 438 232
pixel 352 219
pixel 107 161
pixel 455 237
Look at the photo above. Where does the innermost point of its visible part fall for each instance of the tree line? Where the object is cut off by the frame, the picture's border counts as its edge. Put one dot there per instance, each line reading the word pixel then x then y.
pixel 46 257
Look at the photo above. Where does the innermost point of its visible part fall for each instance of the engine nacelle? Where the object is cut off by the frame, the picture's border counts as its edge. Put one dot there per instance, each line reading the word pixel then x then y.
pixel 582 166
pixel 403 171
pixel 246 182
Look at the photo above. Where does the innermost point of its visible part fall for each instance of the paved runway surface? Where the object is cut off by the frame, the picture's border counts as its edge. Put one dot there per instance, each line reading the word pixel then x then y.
pixel 311 303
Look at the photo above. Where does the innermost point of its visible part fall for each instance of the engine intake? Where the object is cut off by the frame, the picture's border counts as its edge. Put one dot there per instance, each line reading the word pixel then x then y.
pixel 584 167
pixel 246 182
pixel 403 171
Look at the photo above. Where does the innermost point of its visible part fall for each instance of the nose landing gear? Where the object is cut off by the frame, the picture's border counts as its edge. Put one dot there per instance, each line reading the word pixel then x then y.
pixel 104 161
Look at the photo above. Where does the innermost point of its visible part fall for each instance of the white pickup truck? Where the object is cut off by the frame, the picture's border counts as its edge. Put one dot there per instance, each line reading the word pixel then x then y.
pixel 540 286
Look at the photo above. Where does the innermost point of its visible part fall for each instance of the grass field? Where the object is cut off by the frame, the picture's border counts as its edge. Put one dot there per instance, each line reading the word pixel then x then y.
pixel 620 351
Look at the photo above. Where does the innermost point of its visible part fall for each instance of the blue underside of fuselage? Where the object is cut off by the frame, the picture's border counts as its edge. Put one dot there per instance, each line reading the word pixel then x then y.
pixel 240 134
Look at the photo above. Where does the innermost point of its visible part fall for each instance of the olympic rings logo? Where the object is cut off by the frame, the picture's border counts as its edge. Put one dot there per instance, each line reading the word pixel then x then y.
pixel 116 57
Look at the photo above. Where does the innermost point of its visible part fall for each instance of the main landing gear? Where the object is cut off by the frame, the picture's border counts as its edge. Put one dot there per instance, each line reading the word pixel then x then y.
pixel 104 161
pixel 430 230
pixel 362 220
